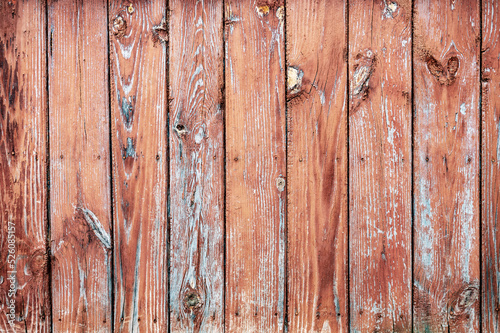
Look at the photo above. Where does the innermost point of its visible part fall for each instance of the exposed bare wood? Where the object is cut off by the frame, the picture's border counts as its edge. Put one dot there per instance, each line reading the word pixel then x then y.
pixel 380 165
pixel 196 166
pixel 24 289
pixel 256 166
pixel 79 166
pixel 138 45
pixel 317 166
pixel 446 165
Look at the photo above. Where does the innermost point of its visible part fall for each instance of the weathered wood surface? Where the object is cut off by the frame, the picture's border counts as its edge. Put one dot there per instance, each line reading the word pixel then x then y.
pixel 490 78
pixel 317 166
pixel 258 154
pixel 380 165
pixel 255 166
pixel 196 166
pixel 23 190
pixel 138 50
pixel 446 166
pixel 80 205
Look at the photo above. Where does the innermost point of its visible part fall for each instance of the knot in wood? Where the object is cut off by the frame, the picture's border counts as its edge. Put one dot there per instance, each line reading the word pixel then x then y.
pixel 390 9
pixel 160 32
pixel 280 14
pixel 119 26
pixel 180 129
pixel 130 9
pixel 445 75
pixel 192 300
pixel 363 69
pixel 465 300
pixel 294 79
pixel 280 184
pixel 262 10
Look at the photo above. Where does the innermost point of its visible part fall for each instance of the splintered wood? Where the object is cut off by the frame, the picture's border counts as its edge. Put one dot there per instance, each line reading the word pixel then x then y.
pixel 249 166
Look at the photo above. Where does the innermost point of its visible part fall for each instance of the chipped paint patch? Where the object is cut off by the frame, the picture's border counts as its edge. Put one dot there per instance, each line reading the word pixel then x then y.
pixel 130 150
pixel 463 108
pixel 199 136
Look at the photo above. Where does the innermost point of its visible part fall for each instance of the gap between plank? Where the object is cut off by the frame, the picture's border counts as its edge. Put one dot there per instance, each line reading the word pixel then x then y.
pixel 347 101
pixel 111 177
pixel 47 164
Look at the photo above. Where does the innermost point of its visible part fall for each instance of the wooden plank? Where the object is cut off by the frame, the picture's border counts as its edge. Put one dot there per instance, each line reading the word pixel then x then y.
pixel 23 181
pixel 196 166
pixel 138 49
pixel 256 166
pixel 446 166
pixel 380 165
pixel 79 166
pixel 317 166
pixel 490 77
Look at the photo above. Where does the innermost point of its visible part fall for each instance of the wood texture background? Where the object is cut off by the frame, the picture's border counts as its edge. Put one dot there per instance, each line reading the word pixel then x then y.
pixel 255 166
pixel 446 166
pixel 317 166
pixel 197 166
pixel 80 203
pixel 380 165
pixel 138 55
pixel 23 165
pixel 250 166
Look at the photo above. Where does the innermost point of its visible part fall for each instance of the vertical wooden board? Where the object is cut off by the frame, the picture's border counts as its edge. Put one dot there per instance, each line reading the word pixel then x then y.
pixel 196 166
pixel 490 77
pixel 138 46
pixel 23 201
pixel 317 166
pixel 446 166
pixel 380 165
pixel 256 166
pixel 79 166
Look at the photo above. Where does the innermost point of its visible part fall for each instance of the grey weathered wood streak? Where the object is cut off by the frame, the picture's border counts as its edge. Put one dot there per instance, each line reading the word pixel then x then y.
pixel 317 166
pixel 380 165
pixel 79 166
pixel 23 190
pixel 256 166
pixel 490 77
pixel 446 166
pixel 138 50
pixel 196 166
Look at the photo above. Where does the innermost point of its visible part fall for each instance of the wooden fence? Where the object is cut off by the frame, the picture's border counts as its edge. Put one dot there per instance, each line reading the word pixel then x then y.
pixel 249 166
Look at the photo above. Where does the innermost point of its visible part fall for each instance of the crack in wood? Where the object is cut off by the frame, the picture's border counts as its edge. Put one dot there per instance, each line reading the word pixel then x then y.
pixel 96 227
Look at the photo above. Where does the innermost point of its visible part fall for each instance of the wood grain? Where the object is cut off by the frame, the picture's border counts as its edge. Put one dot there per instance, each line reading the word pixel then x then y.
pixel 446 166
pixel 317 166
pixel 138 49
pixel 490 77
pixel 196 166
pixel 380 165
pixel 23 181
pixel 256 166
pixel 79 166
